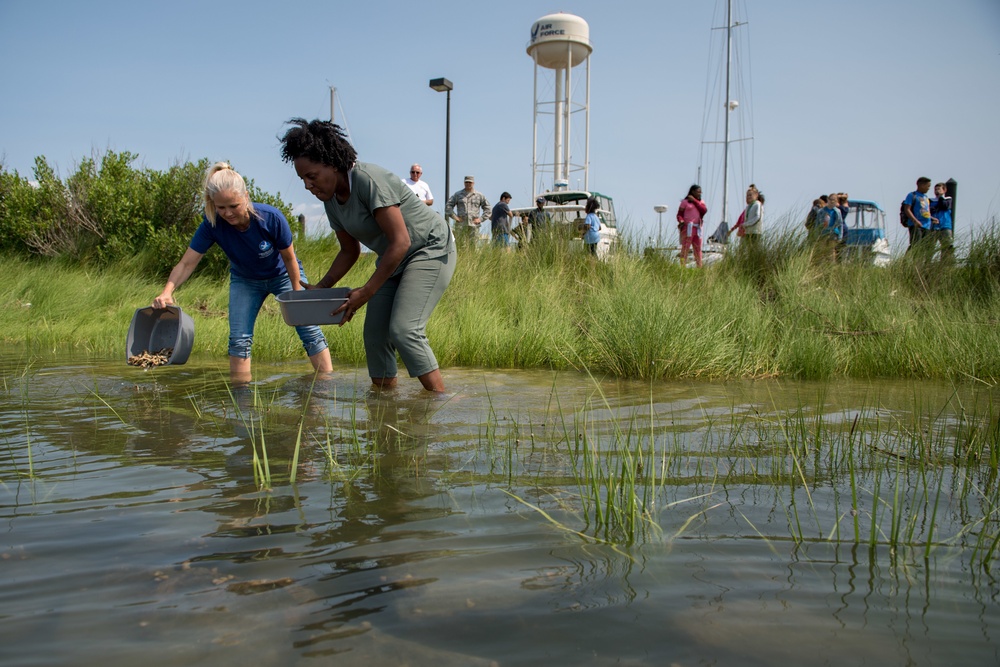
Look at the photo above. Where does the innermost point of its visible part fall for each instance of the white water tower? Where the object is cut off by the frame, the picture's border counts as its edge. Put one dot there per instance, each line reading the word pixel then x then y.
pixel 559 42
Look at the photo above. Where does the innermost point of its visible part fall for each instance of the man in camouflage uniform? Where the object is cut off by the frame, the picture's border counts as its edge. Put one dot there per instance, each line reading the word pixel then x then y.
pixel 467 208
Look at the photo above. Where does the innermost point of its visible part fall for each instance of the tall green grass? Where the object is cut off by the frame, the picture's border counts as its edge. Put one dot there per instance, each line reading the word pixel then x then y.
pixel 782 311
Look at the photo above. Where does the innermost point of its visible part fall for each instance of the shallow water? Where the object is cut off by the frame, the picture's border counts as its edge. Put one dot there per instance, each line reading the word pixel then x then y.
pixel 423 531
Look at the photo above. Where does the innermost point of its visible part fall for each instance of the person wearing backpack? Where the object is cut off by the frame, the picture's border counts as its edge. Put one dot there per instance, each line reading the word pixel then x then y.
pixel 917 207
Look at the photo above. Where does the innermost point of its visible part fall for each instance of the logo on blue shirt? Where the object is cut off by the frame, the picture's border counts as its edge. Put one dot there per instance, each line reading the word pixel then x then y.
pixel 264 246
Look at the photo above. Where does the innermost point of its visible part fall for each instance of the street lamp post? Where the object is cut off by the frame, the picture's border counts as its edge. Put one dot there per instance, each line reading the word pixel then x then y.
pixel 660 210
pixel 443 85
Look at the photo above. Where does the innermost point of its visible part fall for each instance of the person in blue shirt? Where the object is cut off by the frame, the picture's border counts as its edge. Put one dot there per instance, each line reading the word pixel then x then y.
pixel 591 226
pixel 941 231
pixel 830 226
pixel 258 242
pixel 917 207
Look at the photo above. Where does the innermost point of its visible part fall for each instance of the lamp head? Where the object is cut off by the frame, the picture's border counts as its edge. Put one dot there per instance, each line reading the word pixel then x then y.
pixel 441 85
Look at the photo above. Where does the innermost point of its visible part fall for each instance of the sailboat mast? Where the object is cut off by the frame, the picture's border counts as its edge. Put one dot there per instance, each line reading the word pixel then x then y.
pixel 725 145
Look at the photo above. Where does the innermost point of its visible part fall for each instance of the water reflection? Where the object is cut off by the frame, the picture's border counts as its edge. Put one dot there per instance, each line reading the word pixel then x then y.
pixel 459 531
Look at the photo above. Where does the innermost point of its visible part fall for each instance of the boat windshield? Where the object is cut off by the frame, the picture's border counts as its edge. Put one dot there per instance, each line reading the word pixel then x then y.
pixel 865 215
pixel 568 206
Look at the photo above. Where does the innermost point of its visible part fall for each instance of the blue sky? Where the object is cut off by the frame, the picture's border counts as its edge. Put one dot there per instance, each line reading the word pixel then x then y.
pixel 849 96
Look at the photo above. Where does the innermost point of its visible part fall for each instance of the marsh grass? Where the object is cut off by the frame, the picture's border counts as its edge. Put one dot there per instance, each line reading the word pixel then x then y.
pixel 253 424
pixel 903 487
pixel 780 311
pixel 348 448
pixel 23 384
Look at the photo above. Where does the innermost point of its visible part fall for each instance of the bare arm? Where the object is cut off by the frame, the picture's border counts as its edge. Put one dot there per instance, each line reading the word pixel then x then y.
pixel 390 221
pixel 350 250
pixel 449 208
pixel 292 266
pixel 178 275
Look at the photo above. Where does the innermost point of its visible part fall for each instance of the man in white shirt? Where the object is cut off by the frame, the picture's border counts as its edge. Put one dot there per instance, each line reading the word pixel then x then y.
pixel 420 188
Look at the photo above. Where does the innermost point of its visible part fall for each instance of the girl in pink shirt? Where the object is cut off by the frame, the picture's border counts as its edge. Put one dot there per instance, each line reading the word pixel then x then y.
pixel 690 214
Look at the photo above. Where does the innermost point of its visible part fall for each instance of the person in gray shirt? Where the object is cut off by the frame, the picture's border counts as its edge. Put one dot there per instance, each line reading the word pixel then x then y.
pixel 369 205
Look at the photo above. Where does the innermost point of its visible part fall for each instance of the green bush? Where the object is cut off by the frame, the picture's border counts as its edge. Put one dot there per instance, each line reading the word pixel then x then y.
pixel 109 211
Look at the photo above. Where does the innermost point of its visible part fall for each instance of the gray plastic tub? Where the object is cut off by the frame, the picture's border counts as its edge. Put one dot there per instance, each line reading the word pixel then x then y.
pixel 312 306
pixel 152 330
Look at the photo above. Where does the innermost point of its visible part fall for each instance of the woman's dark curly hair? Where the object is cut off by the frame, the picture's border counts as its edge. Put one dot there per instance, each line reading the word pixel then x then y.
pixel 320 141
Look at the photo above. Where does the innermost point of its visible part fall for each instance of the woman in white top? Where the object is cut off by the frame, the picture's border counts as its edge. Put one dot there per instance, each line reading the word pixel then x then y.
pixel 753 224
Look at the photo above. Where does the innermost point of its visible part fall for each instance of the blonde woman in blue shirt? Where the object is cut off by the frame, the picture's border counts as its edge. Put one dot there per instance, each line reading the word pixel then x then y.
pixel 258 242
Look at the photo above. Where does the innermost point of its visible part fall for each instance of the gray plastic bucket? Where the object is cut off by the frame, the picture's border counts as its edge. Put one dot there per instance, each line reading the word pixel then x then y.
pixel 152 330
pixel 312 306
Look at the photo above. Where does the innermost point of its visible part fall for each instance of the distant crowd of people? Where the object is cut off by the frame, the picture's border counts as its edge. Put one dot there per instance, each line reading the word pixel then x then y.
pixel 928 221
pixel 826 222
pixel 468 208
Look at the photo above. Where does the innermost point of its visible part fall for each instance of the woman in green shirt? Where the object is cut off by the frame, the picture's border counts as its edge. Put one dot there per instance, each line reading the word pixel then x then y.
pixel 369 205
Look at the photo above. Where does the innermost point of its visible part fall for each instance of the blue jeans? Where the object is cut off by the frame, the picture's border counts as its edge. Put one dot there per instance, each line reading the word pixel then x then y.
pixel 246 296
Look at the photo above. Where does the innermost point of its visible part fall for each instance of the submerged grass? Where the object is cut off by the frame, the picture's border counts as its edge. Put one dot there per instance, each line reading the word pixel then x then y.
pixel 903 483
pixel 913 485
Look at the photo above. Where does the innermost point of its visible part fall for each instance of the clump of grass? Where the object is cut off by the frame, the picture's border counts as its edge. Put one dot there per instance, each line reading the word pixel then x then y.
pixel 902 487
pixel 254 426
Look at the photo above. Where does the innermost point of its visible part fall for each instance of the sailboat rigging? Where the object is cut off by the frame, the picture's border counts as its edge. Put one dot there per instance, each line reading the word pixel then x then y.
pixel 335 102
pixel 728 112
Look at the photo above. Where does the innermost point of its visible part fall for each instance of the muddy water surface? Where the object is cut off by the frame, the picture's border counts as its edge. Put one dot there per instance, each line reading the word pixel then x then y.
pixel 808 524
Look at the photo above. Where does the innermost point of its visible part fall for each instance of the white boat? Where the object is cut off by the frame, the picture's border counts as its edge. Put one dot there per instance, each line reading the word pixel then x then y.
pixel 866 240
pixel 566 208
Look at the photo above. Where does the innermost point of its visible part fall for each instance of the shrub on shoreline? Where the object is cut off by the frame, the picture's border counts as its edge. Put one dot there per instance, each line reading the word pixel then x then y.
pixel 109 210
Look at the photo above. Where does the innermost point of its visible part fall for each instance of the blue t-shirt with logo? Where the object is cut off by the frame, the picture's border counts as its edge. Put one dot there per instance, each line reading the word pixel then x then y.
pixel 254 253
pixel 920 204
